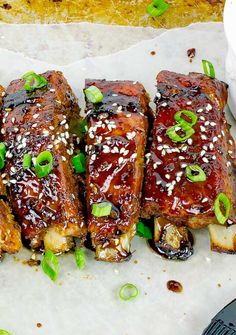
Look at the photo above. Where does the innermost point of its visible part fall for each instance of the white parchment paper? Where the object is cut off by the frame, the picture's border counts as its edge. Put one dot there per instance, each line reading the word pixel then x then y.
pixel 85 302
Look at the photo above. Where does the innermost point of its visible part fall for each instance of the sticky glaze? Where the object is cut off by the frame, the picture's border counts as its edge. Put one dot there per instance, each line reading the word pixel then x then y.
pixel 167 191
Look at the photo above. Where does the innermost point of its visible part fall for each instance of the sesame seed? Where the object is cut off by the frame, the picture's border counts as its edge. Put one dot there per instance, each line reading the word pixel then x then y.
pixel 230 142
pixel 131 135
pixel 230 152
pixel 67 135
pixel 183 165
pixel 208 107
pixel 35 116
pixel 12 181
pixel 158 95
pixel 164 104
pixel 3 131
pixel 34 125
pixel 213 124
pixel 50 146
pixel 205 199
pixel 167 176
pixel 106 149
pixel 202 128
pixel 66 126
pixel 160 147
pixel 181 157
pixel 159 139
pixel 128 115
pixel 199 110
pixel 205 160
pixel 178 179
pixel 228 163
pixel 119 109
pixel 38 105
pixel 16 129
pixel 202 118
pixel 213 157
pixel 205 147
pixel 5 182
pixel 163 152
pixel 215 139
pixel 51 128
pixel 211 146
pixel 179 174
pixel 13 169
pixel 126 152
pixel 93 157
pixel 52 90
pixel 63 122
pixel 203 137
pixel 120 160
pixel 190 141
pixel 158 182
pixel 133 156
pixel 115 104
pixel 63 158
pixel 184 148
pixel 189 103
pixel 45 132
pixel 202 153
pixel 222 132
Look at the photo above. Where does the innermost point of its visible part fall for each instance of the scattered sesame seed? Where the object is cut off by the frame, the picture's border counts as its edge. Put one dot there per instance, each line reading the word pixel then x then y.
pixel 128 115
pixel 178 179
pixel 133 156
pixel 93 157
pixel 13 169
pixel 205 199
pixel 189 103
pixel 52 90
pixel 164 104
pixel 199 110
pixel 203 119
pixel 34 125
pixel 215 139
pixel 163 152
pixel 12 181
pixel 202 153
pixel 202 128
pixel 63 158
pixel 208 107
pixel 203 137
pixel 184 148
pixel 190 141
pixel 211 146
pixel 5 182
pixel 213 157
pixel 115 104
pixel 213 124
pixel 230 152
pixel 159 139
pixel 51 128
pixel 222 132
pixel 160 147
pixel 120 160
pixel 2 131
pixel 35 116
pixel 158 182
pixel 167 176
pixel 131 135
pixel 183 165
pixel 228 163
pixel 158 95
pixel 66 126
pixel 181 157
pixel 179 174
pixel 63 122
pixel 205 160
pixel 106 149
pixel 230 142
pixel 50 146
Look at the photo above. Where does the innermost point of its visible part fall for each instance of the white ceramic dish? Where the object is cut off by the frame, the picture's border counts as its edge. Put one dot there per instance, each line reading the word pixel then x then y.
pixel 230 32
pixel 86 302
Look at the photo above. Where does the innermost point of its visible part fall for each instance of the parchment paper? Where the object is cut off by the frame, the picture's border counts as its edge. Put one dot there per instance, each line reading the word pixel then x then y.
pixel 85 302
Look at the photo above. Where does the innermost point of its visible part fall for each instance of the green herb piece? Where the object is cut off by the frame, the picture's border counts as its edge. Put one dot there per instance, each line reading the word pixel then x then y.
pixel 80 258
pixel 143 231
pixel 27 161
pixel 128 292
pixel 79 163
pixel 185 124
pixel 195 173
pixel 50 265
pixel 222 200
pixel 186 133
pixel 208 68
pixel 101 209
pixel 43 164
pixel 93 94
pixel 33 81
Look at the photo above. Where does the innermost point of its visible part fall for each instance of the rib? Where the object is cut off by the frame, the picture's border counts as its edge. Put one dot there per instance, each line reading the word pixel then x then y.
pixel 167 191
pixel 117 131
pixel 48 209
pixel 10 238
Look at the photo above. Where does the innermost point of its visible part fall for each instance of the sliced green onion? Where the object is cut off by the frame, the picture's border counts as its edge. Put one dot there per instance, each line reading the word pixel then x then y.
pixel 2 154
pixel 33 81
pixel 224 200
pixel 208 68
pixel 3 148
pixel 157 8
pixel 43 164
pixel 79 163
pixel 172 133
pixel 101 209
pixel 27 159
pixel 128 292
pixel 195 173
pixel 143 231
pixel 84 126
pixel 80 258
pixel 50 265
pixel 93 94
pixel 4 332
pixel 182 121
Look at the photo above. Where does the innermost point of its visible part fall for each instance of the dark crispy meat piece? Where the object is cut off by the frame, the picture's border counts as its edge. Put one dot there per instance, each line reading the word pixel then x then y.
pixel 48 208
pixel 167 191
pixel 117 131
pixel 10 239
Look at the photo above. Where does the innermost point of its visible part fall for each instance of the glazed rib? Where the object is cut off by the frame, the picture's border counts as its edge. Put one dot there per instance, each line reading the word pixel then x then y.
pixel 48 209
pixel 167 191
pixel 117 131
pixel 10 239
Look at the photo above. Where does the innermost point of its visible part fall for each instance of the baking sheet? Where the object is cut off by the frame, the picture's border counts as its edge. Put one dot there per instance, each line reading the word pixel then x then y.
pixel 86 302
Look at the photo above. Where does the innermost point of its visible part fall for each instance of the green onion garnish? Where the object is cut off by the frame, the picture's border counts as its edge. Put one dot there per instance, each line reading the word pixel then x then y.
pixel 2 154
pixel 157 8
pixel 4 332
pixel 80 258
pixel 43 164
pixel 79 163
pixel 128 292
pixel 222 199
pixel 50 265
pixel 208 68
pixel 143 231
pixel 33 81
pixel 172 133
pixel 93 94
pixel 185 124
pixel 84 126
pixel 195 173
pixel 27 159
pixel 101 209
